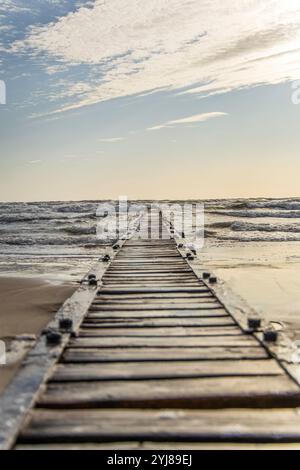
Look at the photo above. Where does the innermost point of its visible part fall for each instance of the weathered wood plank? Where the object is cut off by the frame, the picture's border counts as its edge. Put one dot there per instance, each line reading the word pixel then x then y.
pixel 150 262
pixel 86 332
pixel 206 304
pixel 150 277
pixel 163 426
pixel 156 354
pixel 182 297
pixel 159 301
pixel 212 312
pixel 107 322
pixel 150 270
pixel 163 370
pixel 176 393
pixel 150 284
pixel 146 445
pixel 142 290
pixel 164 342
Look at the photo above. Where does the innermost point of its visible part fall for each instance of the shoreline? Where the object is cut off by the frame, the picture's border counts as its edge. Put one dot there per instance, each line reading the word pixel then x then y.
pixel 27 306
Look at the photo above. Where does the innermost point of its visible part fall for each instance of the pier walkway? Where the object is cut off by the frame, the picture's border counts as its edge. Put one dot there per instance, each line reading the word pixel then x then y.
pixel 145 355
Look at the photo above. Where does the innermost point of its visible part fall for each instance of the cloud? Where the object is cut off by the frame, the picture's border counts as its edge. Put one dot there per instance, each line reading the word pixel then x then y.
pixel 188 120
pixel 111 139
pixel 13 7
pixel 207 47
pixel 34 162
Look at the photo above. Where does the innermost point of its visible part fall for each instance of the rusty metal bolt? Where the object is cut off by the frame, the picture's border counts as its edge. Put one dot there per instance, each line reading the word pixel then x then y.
pixel 254 323
pixel 65 323
pixel 206 275
pixel 270 336
pixel 213 279
pixel 53 338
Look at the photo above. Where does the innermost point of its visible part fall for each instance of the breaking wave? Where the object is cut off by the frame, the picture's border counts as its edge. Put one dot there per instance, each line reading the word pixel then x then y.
pixel 295 214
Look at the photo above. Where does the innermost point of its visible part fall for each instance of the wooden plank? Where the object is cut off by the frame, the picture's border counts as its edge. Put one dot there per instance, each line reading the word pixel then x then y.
pixel 132 274
pixel 163 426
pixel 150 270
pixel 152 296
pixel 176 393
pixel 206 304
pixel 150 262
pixel 164 342
pixel 202 298
pixel 148 332
pixel 156 354
pixel 154 446
pixel 149 284
pixel 163 280
pixel 208 322
pixel 142 290
pixel 156 251
pixel 212 312
pixel 163 370
pixel 130 260
pixel 145 267
pixel 150 277
pixel 151 253
pixel 149 301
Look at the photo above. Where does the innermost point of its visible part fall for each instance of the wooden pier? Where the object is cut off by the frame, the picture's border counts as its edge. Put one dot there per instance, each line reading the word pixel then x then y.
pixel 146 355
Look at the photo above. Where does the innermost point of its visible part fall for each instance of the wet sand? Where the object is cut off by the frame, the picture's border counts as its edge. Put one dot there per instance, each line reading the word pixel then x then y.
pixel 26 307
pixel 266 275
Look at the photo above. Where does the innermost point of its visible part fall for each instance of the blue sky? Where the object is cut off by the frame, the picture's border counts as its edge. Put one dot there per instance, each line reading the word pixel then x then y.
pixel 164 99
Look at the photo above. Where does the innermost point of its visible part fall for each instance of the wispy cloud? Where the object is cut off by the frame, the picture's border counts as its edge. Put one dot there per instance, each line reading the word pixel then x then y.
pixel 207 46
pixel 196 118
pixel 34 162
pixel 111 139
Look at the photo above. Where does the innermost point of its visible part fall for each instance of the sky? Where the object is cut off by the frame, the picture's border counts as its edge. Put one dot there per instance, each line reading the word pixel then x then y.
pixel 153 99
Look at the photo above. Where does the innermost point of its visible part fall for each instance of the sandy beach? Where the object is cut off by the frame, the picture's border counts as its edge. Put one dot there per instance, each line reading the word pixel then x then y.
pixel 27 305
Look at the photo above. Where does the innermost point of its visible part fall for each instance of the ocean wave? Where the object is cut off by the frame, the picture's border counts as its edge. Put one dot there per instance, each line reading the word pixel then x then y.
pixel 76 207
pixel 225 204
pixel 247 227
pixel 219 225
pixel 287 204
pixel 13 218
pixel 255 214
pixel 79 230
pixel 59 218
pixel 74 224
pixel 48 240
pixel 256 237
